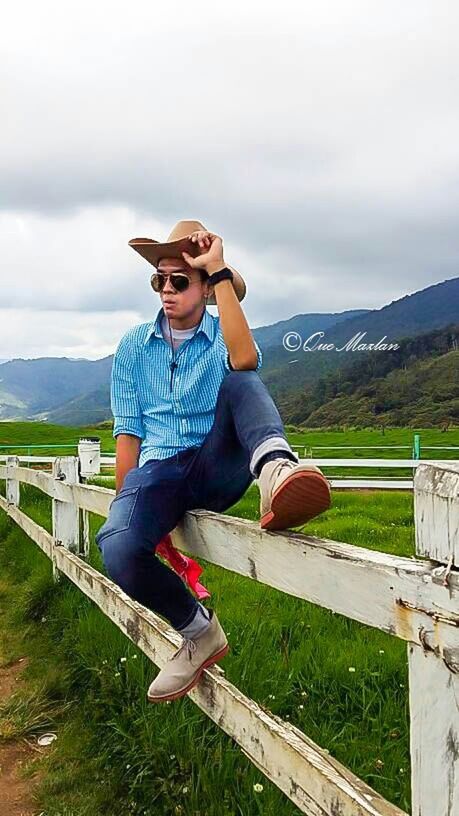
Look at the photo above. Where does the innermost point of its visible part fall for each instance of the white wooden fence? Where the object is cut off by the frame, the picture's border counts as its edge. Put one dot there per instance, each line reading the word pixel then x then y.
pixel 415 599
pixel 337 483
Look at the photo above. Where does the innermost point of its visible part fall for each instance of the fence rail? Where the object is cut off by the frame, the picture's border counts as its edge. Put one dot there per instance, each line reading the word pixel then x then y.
pixel 337 483
pixel 415 599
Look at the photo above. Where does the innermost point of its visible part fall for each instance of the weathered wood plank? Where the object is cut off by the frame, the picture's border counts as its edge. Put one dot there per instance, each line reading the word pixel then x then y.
pixel 434 683
pixel 12 482
pixel 317 783
pixel 65 515
pixel 434 735
pixel 90 497
pixel 436 506
pixel 401 596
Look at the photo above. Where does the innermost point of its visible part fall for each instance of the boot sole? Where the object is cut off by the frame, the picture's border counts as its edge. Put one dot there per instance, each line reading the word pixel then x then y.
pixel 176 694
pixel 301 497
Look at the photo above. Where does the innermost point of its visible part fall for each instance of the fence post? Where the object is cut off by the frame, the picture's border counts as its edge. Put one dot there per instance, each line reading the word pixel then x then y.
pixel 89 456
pixel 434 682
pixel 12 484
pixel 66 518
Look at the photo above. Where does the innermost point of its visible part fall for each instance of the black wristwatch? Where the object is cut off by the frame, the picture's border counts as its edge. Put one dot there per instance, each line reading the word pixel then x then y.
pixel 222 274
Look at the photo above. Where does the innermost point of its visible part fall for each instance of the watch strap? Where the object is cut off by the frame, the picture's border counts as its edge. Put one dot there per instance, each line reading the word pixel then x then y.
pixel 222 274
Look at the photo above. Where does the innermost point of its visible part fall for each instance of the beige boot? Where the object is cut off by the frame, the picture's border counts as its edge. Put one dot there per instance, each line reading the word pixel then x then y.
pixel 291 494
pixel 185 667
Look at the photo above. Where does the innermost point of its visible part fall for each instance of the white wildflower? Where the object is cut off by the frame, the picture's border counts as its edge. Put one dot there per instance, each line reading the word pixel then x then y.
pixel 123 659
pixel 257 787
pixel 352 668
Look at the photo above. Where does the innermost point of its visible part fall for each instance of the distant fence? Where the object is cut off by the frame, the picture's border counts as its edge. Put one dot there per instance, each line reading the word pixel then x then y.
pixel 91 461
pixel 337 483
pixel 415 599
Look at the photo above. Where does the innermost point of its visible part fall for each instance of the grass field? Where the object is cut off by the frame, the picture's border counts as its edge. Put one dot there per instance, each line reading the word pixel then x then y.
pixel 342 683
pixel 28 434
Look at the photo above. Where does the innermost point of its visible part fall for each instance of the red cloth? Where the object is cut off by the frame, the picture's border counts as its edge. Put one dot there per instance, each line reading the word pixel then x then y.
pixel 183 565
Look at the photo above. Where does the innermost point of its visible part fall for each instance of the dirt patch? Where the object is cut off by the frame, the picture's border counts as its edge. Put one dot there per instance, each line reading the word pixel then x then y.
pixel 15 793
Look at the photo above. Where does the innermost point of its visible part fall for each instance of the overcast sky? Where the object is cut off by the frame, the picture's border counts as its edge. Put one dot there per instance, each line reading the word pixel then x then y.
pixel 320 140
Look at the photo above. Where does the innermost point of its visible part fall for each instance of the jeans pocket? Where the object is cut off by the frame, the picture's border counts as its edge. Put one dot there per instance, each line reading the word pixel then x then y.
pixel 120 513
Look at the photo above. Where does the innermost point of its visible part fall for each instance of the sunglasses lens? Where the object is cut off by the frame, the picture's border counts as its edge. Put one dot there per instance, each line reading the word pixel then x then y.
pixel 179 282
pixel 157 282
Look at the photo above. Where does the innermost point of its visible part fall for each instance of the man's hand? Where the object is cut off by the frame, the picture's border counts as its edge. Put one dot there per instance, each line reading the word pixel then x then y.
pixel 236 333
pixel 211 257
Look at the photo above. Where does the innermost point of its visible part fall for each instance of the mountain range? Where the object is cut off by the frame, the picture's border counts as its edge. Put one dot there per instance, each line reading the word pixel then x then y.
pixel 77 392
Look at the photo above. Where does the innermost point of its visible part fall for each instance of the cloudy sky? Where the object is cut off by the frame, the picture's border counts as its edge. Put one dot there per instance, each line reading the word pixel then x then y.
pixel 320 140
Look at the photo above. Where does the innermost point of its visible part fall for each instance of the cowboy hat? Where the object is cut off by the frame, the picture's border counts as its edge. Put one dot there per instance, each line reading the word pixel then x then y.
pixel 177 242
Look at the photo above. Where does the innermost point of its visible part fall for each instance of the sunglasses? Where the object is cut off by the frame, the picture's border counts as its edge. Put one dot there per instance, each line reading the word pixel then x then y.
pixel 178 281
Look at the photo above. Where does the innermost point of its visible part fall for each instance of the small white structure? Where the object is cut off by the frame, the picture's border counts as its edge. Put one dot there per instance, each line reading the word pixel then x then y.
pixel 89 456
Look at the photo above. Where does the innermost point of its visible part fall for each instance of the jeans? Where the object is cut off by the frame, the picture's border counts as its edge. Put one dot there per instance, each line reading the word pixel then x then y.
pixel 212 476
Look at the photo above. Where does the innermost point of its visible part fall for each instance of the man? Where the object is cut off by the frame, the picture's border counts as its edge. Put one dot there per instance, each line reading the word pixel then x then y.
pixel 194 426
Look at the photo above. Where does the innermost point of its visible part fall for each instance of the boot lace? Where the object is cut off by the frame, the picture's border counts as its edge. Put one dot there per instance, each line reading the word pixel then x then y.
pixel 189 646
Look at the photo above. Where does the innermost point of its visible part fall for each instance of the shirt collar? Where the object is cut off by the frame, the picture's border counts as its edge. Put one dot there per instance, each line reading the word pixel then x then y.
pixel 206 326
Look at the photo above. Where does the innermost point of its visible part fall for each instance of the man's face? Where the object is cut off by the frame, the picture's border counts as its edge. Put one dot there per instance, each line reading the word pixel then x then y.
pixel 181 304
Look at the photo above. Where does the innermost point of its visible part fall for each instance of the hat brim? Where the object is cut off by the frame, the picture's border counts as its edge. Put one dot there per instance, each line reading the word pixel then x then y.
pixel 153 251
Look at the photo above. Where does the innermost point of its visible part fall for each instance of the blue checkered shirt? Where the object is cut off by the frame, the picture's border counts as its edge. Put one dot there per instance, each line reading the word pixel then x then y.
pixel 169 409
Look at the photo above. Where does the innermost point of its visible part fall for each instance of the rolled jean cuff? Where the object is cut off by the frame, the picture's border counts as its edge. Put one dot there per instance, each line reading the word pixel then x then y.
pixel 189 618
pixel 273 443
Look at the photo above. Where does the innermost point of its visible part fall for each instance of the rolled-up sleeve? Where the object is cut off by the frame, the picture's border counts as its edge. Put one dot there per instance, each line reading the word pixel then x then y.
pixel 259 356
pixel 225 354
pixel 124 397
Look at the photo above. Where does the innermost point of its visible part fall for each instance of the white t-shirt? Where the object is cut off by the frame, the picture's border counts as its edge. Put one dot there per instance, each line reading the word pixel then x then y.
pixel 178 335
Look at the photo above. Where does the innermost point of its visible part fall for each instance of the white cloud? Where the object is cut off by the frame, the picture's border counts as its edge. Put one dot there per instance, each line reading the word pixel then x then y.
pixel 92 335
pixel 320 140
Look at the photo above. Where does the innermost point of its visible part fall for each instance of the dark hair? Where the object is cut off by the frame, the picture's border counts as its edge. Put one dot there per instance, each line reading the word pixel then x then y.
pixel 204 275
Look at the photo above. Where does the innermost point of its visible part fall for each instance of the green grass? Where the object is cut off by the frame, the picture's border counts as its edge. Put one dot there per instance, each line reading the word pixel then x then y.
pixel 34 433
pixel 15 434
pixel 42 433
pixel 118 754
